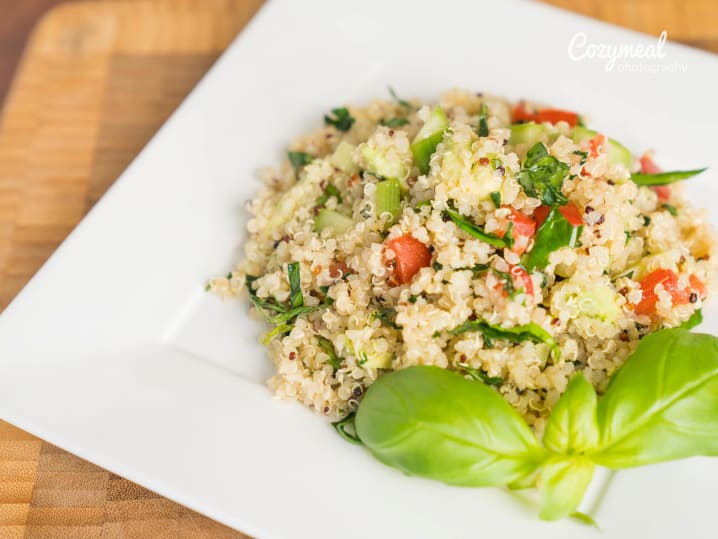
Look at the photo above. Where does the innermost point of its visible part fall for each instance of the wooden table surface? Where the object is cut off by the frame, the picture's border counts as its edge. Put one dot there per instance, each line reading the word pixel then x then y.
pixel 95 83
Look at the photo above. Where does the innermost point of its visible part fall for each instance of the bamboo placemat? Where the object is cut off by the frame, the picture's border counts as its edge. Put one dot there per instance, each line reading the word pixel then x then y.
pixel 96 82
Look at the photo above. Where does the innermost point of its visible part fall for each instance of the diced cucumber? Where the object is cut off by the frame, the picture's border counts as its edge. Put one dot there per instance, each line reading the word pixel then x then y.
pixel 330 219
pixel 380 164
pixel 288 203
pixel 428 138
pixel 600 302
pixel 529 133
pixel 343 157
pixel 388 198
pixel 371 357
pixel 617 153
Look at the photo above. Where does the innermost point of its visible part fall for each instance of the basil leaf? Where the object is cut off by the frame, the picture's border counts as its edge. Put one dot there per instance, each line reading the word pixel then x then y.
pixel 695 319
pixel 542 176
pixel 572 427
pixel 529 332
pixel 472 230
pixel 555 232
pixel 394 122
pixel 326 345
pixel 296 299
pixel 434 423
pixel 664 178
pixel 483 130
pixel 299 159
pixel 563 482
pixel 340 118
pixel 663 403
pixel 347 430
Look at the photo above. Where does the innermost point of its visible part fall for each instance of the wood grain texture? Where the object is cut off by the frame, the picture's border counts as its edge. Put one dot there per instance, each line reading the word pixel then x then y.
pixel 96 82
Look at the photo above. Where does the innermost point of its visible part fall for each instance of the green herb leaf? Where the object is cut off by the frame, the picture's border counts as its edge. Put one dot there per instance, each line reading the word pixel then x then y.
pixel 542 176
pixel 394 122
pixel 434 423
pixel 262 305
pixel 471 229
pixel 563 482
pixel 288 316
pixel 664 178
pixel 296 299
pixel 481 376
pixel 483 129
pixel 572 427
pixel 661 405
pixel 387 317
pixel 329 191
pixel 399 100
pixel 496 198
pixel 670 209
pixel 299 159
pixel 326 345
pixel 555 232
pixel 695 319
pixel 529 332
pixel 347 430
pixel 339 118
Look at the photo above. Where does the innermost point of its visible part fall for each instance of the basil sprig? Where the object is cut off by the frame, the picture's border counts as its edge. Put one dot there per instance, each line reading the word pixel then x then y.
pixel 664 178
pixel 555 232
pixel 542 176
pixel 661 405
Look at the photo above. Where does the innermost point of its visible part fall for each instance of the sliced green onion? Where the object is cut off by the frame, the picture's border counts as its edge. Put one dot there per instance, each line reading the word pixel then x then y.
pixel 428 138
pixel 388 198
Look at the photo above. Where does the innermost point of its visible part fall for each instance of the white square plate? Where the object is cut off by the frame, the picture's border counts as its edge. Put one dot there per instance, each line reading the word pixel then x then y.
pixel 115 352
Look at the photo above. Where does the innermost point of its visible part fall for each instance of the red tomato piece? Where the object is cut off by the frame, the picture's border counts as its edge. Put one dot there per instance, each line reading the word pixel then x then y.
pixel 649 167
pixel 411 256
pixel 523 229
pixel 595 144
pixel 517 272
pixel 570 212
pixel 698 286
pixel 669 280
pixel 553 116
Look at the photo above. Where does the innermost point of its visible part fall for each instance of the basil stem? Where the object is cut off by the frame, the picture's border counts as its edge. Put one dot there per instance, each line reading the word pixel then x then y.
pixel 347 429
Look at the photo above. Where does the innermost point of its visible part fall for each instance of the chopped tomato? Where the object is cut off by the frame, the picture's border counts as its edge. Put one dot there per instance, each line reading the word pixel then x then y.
pixel 523 229
pixel 411 256
pixel 553 116
pixel 669 280
pixel 595 144
pixel 698 286
pixel 517 272
pixel 570 212
pixel 649 167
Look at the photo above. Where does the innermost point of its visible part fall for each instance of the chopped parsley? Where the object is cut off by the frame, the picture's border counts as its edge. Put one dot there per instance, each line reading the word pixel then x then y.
pixel 399 100
pixel 328 348
pixel 496 198
pixel 483 129
pixel 394 122
pixel 542 176
pixel 329 191
pixel 670 209
pixel 481 376
pixel 299 159
pixel 340 118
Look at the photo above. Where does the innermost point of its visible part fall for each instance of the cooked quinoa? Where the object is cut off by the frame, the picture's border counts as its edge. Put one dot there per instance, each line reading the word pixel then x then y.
pixel 363 311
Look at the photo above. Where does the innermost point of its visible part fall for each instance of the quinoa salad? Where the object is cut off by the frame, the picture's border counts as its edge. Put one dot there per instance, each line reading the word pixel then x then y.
pixel 506 241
